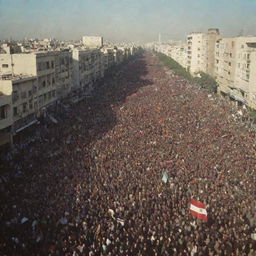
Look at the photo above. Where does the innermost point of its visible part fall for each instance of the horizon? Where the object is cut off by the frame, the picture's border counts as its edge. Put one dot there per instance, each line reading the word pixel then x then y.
pixel 124 21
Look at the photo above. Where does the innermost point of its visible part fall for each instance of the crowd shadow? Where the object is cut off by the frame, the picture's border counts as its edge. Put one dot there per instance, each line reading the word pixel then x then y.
pixel 39 171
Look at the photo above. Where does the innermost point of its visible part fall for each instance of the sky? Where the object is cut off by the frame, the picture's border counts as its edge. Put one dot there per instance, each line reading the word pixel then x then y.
pixel 137 21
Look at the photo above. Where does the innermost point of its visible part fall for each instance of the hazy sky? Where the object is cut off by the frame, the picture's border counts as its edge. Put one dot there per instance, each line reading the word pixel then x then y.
pixel 124 20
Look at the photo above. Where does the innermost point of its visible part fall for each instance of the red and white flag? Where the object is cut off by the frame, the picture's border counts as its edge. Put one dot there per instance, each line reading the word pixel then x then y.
pixel 198 210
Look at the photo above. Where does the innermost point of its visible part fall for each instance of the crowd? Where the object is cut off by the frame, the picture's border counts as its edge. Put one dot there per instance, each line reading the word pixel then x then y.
pixel 92 184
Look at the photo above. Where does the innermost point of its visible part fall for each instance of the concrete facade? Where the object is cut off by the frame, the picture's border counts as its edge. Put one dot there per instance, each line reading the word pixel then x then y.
pixel 201 51
pixel 92 41
pixel 235 68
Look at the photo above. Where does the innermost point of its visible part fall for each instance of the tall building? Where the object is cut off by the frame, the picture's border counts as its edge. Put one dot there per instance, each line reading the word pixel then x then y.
pixel 235 68
pixel 200 52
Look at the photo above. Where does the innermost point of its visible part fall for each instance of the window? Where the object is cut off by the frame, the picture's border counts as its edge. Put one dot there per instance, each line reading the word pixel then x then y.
pixel 24 107
pixel 229 64
pixel 49 95
pixel 15 96
pixel 3 112
pixel 43 85
pixel 53 93
pixel 30 104
pixel 230 55
pixel 53 80
pixel 5 65
pixel 23 95
pixel 15 111
pixel 30 93
pixel 52 64
pixel 39 66
pixel 47 64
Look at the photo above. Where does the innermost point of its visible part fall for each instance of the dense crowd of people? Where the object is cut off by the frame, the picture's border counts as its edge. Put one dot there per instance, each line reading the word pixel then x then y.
pixel 92 184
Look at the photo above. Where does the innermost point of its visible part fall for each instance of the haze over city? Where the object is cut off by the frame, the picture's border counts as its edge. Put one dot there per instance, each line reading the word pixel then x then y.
pixel 124 20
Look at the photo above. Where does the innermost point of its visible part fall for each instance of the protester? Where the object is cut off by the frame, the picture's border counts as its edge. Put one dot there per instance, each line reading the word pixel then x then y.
pixel 116 175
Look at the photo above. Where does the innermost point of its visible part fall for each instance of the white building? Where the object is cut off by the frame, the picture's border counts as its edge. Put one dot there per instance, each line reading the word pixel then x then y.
pixel 92 41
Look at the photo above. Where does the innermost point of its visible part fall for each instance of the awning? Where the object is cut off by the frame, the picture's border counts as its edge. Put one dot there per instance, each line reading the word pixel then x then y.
pixel 237 95
pixel 26 126
pixel 237 98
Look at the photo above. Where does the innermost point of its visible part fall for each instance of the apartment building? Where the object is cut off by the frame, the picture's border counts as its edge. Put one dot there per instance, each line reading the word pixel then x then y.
pixel 109 57
pixel 235 68
pixel 24 101
pixel 119 55
pixel 225 63
pixel 64 73
pixel 5 113
pixel 87 69
pixel 179 53
pixel 31 83
pixel 200 52
pixel 37 64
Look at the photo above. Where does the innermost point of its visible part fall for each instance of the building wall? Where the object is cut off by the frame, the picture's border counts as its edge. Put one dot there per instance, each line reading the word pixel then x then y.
pixel 92 41
pixel 5 112
pixel 5 64
pixel 212 37
pixel 225 61
pixel 24 100
pixel 201 48
pixel 47 82
pixel 64 73
pixel 24 63
pixel 234 68
pixel 196 52
pixel 252 81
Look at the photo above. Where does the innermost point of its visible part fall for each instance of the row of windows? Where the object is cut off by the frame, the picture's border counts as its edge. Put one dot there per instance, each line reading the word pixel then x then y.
pixel 45 65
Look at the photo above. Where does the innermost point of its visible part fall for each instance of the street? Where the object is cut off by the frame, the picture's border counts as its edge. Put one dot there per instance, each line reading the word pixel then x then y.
pixel 92 184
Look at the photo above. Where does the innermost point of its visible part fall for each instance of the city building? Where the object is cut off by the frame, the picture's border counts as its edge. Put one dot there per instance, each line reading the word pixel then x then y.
pixel 92 41
pixel 200 52
pixel 6 115
pixel 33 82
pixel 235 68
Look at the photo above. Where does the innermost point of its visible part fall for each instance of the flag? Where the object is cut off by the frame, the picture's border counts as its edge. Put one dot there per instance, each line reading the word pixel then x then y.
pixel 198 210
pixel 165 177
